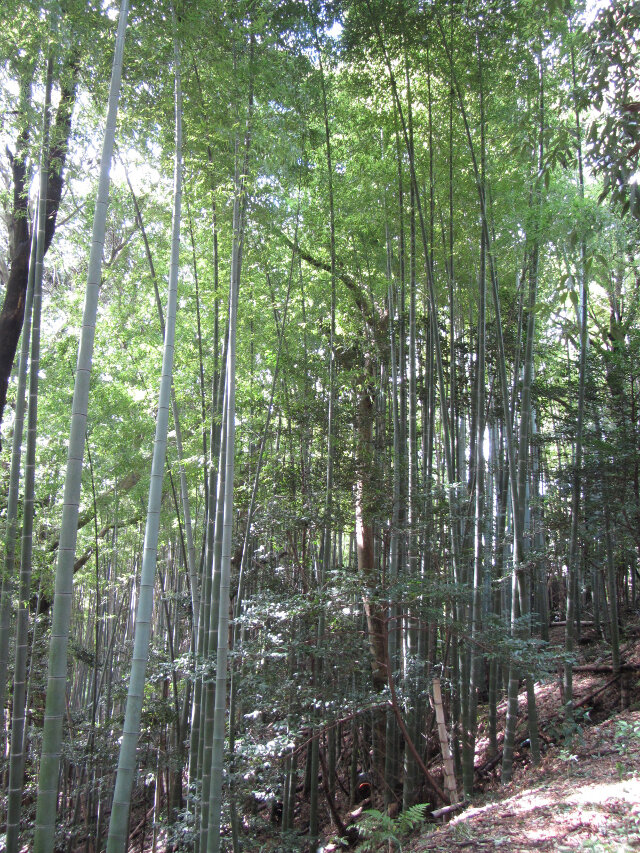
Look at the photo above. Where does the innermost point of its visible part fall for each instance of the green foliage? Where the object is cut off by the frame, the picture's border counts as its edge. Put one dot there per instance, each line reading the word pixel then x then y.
pixel 286 679
pixel 627 731
pixel 614 136
pixel 383 832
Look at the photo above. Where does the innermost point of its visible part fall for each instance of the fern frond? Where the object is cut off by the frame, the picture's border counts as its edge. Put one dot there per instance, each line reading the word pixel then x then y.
pixel 377 829
pixel 413 816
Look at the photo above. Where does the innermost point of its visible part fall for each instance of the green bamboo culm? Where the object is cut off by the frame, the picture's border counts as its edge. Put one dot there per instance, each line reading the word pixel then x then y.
pixel 212 568
pixel 118 825
pixel 17 757
pixel 220 703
pixel 44 837
pixel 11 528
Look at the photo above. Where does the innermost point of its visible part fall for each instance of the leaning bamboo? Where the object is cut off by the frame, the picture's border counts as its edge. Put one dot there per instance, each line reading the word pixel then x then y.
pixel 449 773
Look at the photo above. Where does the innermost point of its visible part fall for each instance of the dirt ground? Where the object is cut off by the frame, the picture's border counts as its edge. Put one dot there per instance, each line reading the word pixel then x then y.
pixel 583 798
pixel 584 795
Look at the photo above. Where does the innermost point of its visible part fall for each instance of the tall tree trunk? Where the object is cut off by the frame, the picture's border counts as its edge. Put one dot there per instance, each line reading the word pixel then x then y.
pixel 411 633
pixel 44 838
pixel 219 718
pixel 201 639
pixel 325 564
pixel 12 313
pixel 468 763
pixel 394 633
pixel 14 484
pixel 365 500
pixel 519 585
pixel 17 758
pixel 194 580
pixel 118 825
pixel 524 452
pixel 574 550
pixel 211 615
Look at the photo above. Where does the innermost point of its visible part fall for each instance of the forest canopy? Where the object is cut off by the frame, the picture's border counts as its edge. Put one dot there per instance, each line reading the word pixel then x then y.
pixel 319 387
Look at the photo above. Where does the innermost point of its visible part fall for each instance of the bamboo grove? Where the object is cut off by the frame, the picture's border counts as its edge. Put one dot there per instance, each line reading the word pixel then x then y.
pixel 304 524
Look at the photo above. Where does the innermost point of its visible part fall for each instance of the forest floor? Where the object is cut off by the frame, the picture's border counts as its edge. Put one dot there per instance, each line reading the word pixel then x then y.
pixel 585 793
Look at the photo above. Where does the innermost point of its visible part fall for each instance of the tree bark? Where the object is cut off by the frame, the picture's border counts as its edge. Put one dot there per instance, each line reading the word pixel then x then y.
pixel 17 757
pixel 374 610
pixel 12 313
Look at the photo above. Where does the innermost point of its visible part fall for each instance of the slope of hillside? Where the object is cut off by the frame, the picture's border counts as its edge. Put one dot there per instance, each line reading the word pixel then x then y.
pixel 585 794
pixel 582 797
